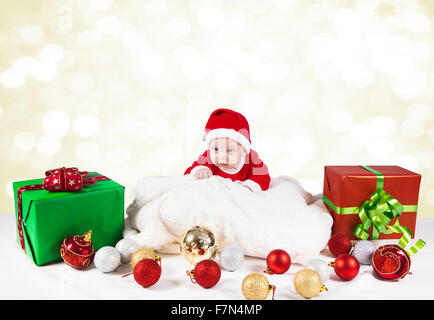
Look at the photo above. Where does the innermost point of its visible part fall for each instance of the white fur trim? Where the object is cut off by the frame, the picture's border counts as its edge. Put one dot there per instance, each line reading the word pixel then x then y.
pixel 193 171
pixel 228 133
pixel 252 185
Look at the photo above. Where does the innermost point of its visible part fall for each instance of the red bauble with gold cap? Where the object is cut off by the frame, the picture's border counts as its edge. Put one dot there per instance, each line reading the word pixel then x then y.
pixel 147 271
pixel 391 262
pixel 278 261
pixel 339 244
pixel 206 273
pixel 346 266
pixel 77 251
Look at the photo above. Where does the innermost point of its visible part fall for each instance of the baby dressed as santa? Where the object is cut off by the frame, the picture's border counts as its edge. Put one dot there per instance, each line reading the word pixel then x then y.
pixel 227 136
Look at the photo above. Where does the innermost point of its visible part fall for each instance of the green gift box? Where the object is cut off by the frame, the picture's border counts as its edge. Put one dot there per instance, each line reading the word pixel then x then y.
pixel 49 217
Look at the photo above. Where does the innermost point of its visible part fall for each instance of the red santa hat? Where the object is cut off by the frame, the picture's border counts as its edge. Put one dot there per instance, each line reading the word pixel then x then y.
pixel 226 123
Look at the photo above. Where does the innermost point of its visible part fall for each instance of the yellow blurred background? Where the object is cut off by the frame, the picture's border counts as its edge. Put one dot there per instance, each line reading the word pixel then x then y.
pixel 125 87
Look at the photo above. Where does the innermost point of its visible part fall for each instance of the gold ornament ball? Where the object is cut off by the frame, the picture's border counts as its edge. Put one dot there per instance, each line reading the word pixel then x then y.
pixel 142 253
pixel 255 286
pixel 197 244
pixel 307 283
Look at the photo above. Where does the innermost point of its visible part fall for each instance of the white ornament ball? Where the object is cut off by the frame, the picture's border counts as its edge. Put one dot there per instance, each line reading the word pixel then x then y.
pixel 363 251
pixel 107 259
pixel 126 248
pixel 321 267
pixel 231 258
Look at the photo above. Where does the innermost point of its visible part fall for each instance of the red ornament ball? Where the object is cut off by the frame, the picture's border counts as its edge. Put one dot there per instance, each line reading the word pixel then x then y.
pixel 77 251
pixel 278 261
pixel 391 262
pixel 346 266
pixel 147 272
pixel 207 273
pixel 339 244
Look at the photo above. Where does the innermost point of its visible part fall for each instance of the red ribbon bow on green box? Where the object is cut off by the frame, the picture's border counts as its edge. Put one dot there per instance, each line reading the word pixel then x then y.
pixel 56 180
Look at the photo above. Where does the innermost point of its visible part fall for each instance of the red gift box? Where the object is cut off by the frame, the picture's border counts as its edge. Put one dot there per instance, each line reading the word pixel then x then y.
pixel 347 188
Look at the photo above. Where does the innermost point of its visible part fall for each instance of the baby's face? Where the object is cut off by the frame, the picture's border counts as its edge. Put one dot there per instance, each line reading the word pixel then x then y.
pixel 226 153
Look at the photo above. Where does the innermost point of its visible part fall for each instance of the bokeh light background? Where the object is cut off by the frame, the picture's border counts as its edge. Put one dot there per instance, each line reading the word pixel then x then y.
pixel 125 87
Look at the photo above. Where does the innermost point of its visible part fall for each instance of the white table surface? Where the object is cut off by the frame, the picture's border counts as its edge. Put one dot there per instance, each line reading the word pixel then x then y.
pixel 21 279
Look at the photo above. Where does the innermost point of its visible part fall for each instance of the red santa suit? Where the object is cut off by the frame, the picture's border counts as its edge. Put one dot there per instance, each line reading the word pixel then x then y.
pixel 251 171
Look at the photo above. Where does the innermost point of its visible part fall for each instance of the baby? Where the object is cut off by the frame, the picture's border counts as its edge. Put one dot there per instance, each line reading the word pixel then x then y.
pixel 227 136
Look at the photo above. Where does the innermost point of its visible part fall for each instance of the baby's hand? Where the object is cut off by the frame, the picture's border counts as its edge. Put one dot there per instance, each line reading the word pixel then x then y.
pixel 203 174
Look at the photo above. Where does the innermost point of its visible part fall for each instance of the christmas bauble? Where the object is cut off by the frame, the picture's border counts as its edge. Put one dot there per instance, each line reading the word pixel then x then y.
pixel 198 244
pixel 255 286
pixel 206 273
pixel 231 258
pixel 339 244
pixel 278 261
pixel 321 267
pixel 346 266
pixel 307 283
pixel 142 253
pixel 107 259
pixel 126 248
pixel 363 251
pixel 147 272
pixel 77 251
pixel 391 262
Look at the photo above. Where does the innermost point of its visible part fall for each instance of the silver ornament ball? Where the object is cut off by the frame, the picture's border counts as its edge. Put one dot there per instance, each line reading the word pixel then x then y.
pixel 363 251
pixel 231 258
pixel 126 248
pixel 107 259
pixel 321 267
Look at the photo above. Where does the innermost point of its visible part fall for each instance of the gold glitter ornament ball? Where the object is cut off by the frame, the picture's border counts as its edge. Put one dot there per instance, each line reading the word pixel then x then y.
pixel 197 244
pixel 307 283
pixel 255 286
pixel 142 253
